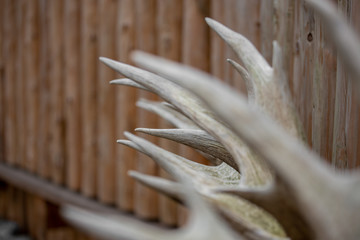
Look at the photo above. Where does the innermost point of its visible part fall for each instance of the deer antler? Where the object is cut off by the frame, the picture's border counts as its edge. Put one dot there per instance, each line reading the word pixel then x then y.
pixel 295 165
pixel 284 177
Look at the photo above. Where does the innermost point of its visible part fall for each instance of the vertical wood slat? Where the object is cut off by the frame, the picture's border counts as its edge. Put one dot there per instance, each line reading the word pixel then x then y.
pixel 126 111
pixel 20 83
pixel 146 199
pixel 342 108
pixel 9 76
pixel 2 86
pixel 354 128
pixel 324 80
pixel 72 93
pixel 56 49
pixel 303 65
pixel 106 104
pixel 36 210
pixel 230 22
pixel 217 45
pixel 266 29
pixel 88 96
pixel 44 162
pixel 31 57
pixel 169 15
pixel 16 205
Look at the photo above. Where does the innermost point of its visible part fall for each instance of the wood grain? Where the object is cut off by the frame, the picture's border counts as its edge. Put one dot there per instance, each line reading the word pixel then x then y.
pixel 45 133
pixel 32 46
pixel 126 98
pixel 56 74
pixel 106 137
pixel 146 200
pixel 72 96
pixel 89 63
pixel 9 75
pixel 20 82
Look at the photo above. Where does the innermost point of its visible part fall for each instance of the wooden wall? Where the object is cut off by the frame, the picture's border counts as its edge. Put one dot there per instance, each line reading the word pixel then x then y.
pixel 60 118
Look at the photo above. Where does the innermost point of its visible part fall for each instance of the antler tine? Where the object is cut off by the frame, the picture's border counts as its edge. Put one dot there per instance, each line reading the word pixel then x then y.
pixel 250 86
pixel 270 92
pixel 167 187
pixel 128 82
pixel 197 139
pixel 109 227
pixel 204 223
pixel 345 39
pixel 169 114
pixel 130 144
pixel 293 162
pixel 172 163
pixel 259 69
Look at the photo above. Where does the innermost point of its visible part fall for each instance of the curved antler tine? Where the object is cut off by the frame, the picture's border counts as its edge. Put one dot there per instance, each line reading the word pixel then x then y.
pixel 128 82
pixel 167 187
pixel 250 86
pixel 112 227
pixel 169 114
pixel 197 139
pixel 345 39
pixel 255 63
pixel 293 162
pixel 184 100
pixel 204 223
pixel 130 144
pixel 172 163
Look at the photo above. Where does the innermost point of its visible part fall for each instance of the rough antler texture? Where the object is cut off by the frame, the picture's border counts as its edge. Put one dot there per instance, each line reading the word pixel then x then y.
pixel 267 175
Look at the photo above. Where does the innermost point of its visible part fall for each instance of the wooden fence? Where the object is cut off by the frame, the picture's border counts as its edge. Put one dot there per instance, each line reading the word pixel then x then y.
pixel 60 118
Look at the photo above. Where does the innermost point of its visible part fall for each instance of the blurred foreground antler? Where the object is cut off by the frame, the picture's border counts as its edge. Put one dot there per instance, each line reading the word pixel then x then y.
pixel 266 182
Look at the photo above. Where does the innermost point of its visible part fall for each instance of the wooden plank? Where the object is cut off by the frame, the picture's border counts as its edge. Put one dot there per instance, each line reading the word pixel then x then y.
pixel 20 82
pixel 56 50
pixel 89 96
pixel 323 92
pixel 342 109
pixel 3 202
pixel 10 48
pixel 303 65
pixel 106 104
pixel 45 112
pixel 63 233
pixel 354 129
pixel 36 210
pixel 72 94
pixel 146 199
pixel 266 29
pixel 229 21
pixel 16 205
pixel 2 79
pixel 217 45
pixel 31 103
pixel 169 15
pixel 126 98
